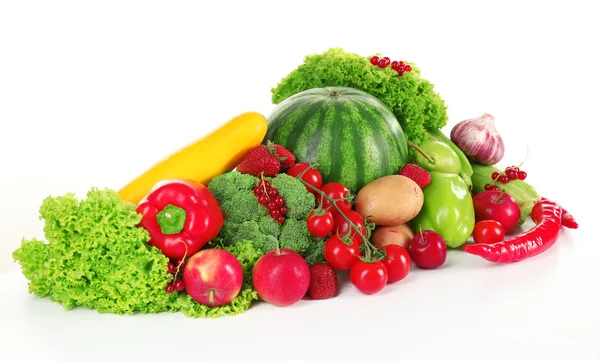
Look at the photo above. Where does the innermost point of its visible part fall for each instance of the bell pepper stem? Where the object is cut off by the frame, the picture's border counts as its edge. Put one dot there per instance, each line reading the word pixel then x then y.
pixel 171 219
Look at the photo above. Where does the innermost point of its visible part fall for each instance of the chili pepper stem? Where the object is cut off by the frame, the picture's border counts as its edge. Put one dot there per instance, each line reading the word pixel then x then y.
pixel 355 228
pixel 418 149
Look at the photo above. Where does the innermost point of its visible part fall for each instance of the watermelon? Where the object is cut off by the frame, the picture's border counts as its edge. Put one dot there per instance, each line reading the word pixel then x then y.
pixel 351 136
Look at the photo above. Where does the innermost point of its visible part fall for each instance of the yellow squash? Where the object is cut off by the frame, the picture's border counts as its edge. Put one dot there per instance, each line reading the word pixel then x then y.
pixel 204 159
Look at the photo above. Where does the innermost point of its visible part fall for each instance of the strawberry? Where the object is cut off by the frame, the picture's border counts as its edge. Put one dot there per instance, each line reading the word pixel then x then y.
pixel 417 174
pixel 260 160
pixel 323 281
pixel 286 157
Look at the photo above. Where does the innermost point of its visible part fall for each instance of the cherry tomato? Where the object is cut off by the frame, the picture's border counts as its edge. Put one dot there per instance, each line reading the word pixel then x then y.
pixel 342 227
pixel 320 223
pixel 397 262
pixel 368 278
pixel 312 176
pixel 340 255
pixel 339 191
pixel 488 231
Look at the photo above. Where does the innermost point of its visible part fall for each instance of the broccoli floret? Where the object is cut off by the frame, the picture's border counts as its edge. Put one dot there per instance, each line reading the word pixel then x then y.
pixel 298 200
pixel 295 236
pixel 411 98
pixel 247 220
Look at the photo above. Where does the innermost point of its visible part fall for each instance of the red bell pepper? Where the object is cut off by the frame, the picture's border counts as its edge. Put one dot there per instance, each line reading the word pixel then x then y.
pixel 181 217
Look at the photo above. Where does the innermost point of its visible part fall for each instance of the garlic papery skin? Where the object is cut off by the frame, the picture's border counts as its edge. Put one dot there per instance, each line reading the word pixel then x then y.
pixel 479 139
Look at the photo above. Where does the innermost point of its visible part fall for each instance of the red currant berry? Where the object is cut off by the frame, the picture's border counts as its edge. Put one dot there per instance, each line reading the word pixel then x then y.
pixel 495 175
pixel 401 65
pixel 407 68
pixel 272 192
pixel 179 285
pixel 271 206
pixel 511 174
pixel 264 200
pixel 258 191
pixel 503 179
pixel 275 213
pixel 280 219
pixel 375 60
pixel 382 63
pixel 170 288
pixel 488 187
pixel 264 184
pixel 395 65
pixel 400 72
pixel 278 201
pixel 521 175
pixel 495 188
pixel 171 268
pixel 283 209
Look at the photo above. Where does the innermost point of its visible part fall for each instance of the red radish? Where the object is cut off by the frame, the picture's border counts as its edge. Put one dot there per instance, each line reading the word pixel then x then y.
pixel 213 277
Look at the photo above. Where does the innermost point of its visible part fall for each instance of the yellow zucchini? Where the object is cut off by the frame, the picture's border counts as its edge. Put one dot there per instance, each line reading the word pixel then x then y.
pixel 204 159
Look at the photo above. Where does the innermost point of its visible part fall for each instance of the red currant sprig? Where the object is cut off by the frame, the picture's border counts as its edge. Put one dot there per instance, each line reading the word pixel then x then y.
pixel 398 66
pixel 177 284
pixel 510 173
pixel 270 198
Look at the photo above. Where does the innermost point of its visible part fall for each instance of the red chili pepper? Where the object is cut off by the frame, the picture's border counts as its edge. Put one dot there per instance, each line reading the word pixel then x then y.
pixel 567 218
pixel 181 217
pixel 547 216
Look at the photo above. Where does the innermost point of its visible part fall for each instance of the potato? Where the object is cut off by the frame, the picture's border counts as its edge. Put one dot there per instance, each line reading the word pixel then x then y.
pixel 401 235
pixel 389 201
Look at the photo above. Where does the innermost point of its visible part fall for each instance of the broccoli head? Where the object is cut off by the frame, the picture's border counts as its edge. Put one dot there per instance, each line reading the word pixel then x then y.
pixel 411 98
pixel 247 220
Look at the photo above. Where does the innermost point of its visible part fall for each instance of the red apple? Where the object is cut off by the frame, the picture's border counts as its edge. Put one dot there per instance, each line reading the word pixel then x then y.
pixel 213 277
pixel 281 277
pixel 497 206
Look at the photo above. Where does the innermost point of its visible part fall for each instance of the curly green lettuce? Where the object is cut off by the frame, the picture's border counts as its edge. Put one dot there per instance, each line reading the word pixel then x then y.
pixel 96 257
pixel 411 98
pixel 246 219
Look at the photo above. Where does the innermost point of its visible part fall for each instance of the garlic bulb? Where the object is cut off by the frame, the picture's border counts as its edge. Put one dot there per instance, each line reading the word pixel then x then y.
pixel 479 139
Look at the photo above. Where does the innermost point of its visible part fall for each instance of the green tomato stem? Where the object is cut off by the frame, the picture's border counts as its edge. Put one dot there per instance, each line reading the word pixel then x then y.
pixel 333 203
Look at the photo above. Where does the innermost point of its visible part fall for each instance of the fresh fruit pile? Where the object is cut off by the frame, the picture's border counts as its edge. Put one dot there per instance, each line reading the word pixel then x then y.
pixel 359 180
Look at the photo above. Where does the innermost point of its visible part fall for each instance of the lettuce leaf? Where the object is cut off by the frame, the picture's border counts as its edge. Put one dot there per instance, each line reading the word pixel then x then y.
pixel 96 257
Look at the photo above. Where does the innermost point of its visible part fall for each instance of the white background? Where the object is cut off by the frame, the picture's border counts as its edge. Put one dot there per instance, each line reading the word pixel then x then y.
pixel 93 93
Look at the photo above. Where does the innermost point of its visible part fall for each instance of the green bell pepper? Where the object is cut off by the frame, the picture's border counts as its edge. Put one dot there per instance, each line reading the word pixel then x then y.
pixel 448 205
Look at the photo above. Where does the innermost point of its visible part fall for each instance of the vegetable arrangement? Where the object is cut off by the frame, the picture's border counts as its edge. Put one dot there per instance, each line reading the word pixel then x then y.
pixel 350 173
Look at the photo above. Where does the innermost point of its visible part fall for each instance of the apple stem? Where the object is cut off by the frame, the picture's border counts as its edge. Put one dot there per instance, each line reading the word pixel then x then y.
pixel 499 198
pixel 211 296
pixel 418 149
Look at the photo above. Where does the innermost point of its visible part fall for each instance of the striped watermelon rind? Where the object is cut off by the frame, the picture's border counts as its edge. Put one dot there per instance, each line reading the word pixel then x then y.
pixel 351 135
